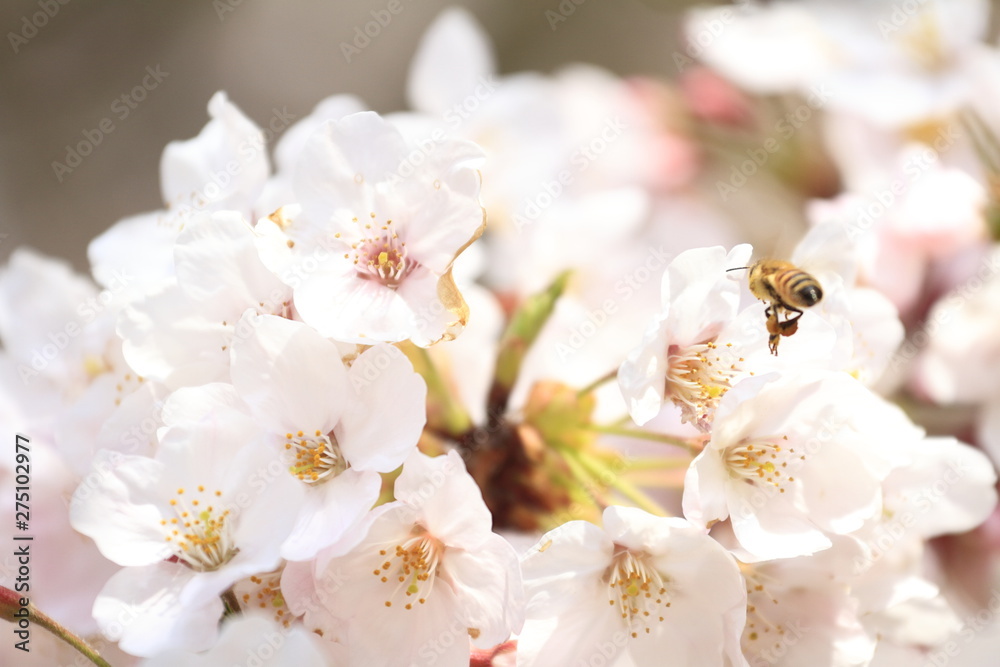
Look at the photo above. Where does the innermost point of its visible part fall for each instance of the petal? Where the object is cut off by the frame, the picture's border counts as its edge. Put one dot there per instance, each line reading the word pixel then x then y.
pixel 149 598
pixel 453 57
pixel 115 506
pixel 330 512
pixel 192 171
pixel 291 377
pixel 447 499
pixel 565 561
pixel 384 385
pixel 487 580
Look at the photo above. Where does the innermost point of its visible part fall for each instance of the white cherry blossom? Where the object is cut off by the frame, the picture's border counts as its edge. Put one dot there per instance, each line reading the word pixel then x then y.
pixel 381 222
pixel 181 334
pixel 223 168
pixel 794 457
pixel 640 591
pixel 252 637
pixel 337 427
pixel 679 358
pixel 429 577
pixel 186 525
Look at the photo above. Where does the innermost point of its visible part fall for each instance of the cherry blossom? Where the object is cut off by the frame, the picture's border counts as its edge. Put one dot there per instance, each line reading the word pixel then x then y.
pixel 641 588
pixel 786 478
pixel 373 247
pixel 678 358
pixel 429 571
pixel 207 511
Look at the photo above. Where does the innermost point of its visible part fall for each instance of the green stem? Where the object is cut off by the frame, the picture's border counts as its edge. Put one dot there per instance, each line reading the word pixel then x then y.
pixel 62 633
pixel 580 472
pixel 456 421
pixel 982 139
pixel 597 383
pixel 643 435
pixel 627 489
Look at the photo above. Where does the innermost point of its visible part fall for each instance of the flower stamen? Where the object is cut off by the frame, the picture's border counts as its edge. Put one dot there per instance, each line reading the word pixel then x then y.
pixel 316 457
pixel 199 534
pixel 638 590
pixel 411 569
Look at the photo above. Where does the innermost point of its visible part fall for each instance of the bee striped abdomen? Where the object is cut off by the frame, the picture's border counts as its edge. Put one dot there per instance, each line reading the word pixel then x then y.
pixel 797 288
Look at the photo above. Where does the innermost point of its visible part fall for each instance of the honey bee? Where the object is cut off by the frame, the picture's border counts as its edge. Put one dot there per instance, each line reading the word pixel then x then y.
pixel 786 289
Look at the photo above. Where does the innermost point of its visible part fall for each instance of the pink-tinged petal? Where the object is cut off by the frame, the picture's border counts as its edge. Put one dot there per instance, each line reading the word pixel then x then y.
pixel 194 407
pixel 488 581
pixel 639 530
pixel 434 315
pixel 140 608
pixel 371 438
pixel 332 513
pixel 294 140
pixel 839 499
pixel 115 505
pixel 291 377
pixel 338 303
pixel 446 498
pixel 948 488
pixel 39 297
pixel 444 223
pixel 131 429
pixel 439 637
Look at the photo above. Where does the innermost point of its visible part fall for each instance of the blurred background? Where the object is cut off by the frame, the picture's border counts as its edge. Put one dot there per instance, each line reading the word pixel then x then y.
pixel 62 79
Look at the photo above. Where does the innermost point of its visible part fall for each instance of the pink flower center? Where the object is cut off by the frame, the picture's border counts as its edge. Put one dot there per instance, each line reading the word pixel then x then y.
pixel 379 254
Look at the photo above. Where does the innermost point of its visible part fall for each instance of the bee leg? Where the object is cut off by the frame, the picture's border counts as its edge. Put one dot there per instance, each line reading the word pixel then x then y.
pixel 790 325
pixel 773 330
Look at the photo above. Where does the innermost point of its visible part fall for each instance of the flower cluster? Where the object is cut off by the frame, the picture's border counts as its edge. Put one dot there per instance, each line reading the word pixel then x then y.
pixel 499 380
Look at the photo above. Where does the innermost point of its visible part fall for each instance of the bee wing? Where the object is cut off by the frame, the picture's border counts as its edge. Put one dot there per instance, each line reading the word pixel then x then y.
pixel 827 250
